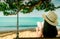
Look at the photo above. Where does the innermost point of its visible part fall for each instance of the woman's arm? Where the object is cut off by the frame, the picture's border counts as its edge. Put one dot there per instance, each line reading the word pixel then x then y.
pixel 39 29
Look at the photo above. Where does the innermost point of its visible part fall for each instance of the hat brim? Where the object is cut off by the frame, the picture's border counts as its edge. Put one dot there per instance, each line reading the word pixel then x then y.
pixel 54 24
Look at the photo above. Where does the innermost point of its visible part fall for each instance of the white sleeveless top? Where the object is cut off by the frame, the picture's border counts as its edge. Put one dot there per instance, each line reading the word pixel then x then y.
pixel 40 25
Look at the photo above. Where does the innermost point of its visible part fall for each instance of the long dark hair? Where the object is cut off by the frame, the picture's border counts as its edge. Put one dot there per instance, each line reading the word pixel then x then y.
pixel 49 30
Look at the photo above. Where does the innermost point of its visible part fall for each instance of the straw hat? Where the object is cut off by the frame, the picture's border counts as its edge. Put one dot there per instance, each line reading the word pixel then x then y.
pixel 51 18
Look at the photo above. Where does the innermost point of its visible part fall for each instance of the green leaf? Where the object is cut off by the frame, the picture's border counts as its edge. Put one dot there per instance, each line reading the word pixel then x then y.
pixel 29 3
pixel 38 8
pixel 3 6
pixel 42 6
pixel 25 10
pixel 9 12
pixel 47 9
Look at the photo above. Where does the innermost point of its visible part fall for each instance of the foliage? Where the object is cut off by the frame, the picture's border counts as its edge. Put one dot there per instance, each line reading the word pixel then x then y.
pixel 26 7
pixel 9 12
pixel 3 6
pixel 12 4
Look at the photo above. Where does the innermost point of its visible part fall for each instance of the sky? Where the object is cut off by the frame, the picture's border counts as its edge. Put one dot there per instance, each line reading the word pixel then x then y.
pixel 36 13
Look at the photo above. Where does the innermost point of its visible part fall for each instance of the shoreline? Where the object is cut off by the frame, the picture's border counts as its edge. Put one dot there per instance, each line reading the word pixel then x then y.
pixel 6 33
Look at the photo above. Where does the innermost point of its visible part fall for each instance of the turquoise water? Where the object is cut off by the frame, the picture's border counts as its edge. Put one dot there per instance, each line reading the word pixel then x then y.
pixel 9 23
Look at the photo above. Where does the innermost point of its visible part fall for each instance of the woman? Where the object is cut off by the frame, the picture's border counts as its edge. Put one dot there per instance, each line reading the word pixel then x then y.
pixel 49 29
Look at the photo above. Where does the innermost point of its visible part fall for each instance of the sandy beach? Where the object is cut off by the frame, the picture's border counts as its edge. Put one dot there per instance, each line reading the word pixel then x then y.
pixel 22 34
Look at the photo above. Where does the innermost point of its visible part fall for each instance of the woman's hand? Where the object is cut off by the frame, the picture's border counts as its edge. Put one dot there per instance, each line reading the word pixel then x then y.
pixel 39 32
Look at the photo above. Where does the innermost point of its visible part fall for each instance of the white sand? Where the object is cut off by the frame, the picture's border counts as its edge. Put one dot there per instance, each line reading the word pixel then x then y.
pixel 22 34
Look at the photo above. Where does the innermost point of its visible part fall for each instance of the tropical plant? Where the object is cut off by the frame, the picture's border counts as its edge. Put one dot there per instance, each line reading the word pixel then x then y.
pixel 26 7
pixel 3 6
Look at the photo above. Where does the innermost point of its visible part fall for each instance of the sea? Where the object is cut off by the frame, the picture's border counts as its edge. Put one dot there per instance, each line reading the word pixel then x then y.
pixel 10 23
